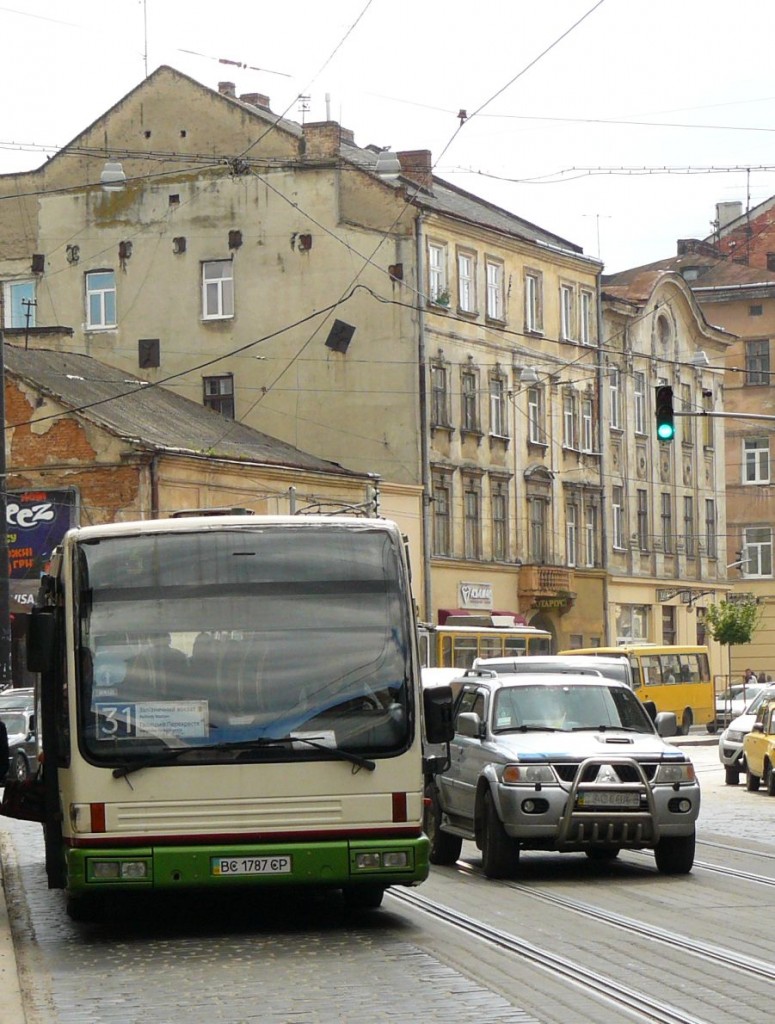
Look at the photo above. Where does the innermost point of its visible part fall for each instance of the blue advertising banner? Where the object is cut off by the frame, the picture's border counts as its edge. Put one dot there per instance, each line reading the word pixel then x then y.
pixel 36 522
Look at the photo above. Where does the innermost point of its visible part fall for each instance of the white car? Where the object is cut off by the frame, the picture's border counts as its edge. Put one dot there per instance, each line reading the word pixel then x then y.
pixel 732 703
pixel 730 742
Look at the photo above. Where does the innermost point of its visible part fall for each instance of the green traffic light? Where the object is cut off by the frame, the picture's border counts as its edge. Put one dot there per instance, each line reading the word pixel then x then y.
pixel 665 431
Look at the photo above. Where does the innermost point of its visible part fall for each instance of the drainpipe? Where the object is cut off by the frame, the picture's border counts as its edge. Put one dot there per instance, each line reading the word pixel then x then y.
pixel 602 444
pixel 425 454
pixel 154 466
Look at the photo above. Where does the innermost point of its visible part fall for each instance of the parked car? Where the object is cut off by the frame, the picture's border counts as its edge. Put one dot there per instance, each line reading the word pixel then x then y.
pixel 733 702
pixel 759 749
pixel 22 742
pixel 563 762
pixel 730 742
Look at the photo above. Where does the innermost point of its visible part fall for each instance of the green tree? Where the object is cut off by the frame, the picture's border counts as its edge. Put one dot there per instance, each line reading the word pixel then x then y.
pixel 733 622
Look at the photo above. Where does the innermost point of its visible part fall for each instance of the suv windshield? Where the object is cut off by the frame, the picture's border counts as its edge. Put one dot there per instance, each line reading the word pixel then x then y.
pixel 568 707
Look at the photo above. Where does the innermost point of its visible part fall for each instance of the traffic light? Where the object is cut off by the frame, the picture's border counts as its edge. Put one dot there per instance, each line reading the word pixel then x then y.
pixel 664 408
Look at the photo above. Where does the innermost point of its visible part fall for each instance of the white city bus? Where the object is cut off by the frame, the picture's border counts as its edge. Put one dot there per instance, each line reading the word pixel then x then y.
pixel 232 700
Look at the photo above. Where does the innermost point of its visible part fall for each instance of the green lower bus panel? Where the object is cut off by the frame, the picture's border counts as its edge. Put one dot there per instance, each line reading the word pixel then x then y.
pixel 389 862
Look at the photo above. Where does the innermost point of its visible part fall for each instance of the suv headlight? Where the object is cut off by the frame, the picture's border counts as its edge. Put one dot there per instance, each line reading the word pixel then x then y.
pixel 670 773
pixel 734 736
pixel 527 774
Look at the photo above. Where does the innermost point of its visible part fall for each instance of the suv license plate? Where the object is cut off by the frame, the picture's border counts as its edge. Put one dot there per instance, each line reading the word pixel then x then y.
pixel 608 799
pixel 224 867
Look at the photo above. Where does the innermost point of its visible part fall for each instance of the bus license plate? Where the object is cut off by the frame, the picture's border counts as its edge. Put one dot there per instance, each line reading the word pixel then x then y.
pixel 226 867
pixel 608 799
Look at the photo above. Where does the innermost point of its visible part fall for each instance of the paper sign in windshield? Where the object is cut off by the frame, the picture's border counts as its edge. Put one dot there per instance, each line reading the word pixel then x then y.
pixel 166 720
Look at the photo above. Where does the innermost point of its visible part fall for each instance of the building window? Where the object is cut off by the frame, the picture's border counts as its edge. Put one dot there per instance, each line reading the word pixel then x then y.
pixel 756 460
pixel 710 528
pixel 535 416
pixel 534 316
pixel 757 545
pixel 668 625
pixel 500 520
pixel 632 622
pixel 757 362
pixel 617 511
pixel 586 325
pixel 571 534
pixel 466 294
pixel 536 508
pixel 217 289
pixel 100 299
pixel 494 290
pixel 686 406
pixel 566 312
pixel 472 502
pixel 19 304
pixel 469 418
pixel 587 425
pixel 439 396
pixel 590 536
pixel 667 522
pixel 219 394
pixel 643 520
pixel 442 516
pixel 639 392
pixel 569 417
pixel 438 290
pixel 498 420
pixel 614 393
pixel 758 309
pixel 689 525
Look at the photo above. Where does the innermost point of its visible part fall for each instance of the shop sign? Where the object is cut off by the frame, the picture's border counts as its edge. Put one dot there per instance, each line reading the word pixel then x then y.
pixel 475 595
pixel 36 522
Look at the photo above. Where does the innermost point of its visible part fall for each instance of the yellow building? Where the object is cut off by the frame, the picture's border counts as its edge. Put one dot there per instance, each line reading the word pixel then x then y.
pixel 666 523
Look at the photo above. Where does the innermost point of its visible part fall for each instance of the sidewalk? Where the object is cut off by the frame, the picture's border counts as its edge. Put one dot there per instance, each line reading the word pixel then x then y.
pixel 11 1006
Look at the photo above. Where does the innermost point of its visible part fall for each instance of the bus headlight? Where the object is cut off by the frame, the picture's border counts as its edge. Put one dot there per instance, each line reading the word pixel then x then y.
pixel 114 870
pixel 671 773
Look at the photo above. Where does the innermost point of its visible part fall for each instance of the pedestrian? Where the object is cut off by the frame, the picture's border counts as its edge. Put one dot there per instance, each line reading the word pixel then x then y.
pixel 749 676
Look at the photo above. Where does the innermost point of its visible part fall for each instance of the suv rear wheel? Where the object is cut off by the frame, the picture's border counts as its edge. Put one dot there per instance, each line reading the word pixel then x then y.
pixel 675 854
pixel 445 848
pixel 500 853
pixel 731 775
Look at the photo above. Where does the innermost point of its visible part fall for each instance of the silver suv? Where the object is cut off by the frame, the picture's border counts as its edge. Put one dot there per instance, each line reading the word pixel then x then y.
pixel 564 763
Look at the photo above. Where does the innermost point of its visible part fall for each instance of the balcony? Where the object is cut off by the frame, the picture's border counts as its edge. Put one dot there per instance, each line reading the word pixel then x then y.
pixel 545 581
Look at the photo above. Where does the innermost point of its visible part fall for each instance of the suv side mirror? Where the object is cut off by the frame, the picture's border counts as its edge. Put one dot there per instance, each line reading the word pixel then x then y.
pixel 469 724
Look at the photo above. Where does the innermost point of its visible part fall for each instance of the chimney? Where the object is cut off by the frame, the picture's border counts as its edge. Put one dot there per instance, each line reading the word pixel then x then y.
pixel 321 139
pixel 227 89
pixel 695 247
pixel 417 165
pixel 255 99
pixel 727 212
pixel 347 135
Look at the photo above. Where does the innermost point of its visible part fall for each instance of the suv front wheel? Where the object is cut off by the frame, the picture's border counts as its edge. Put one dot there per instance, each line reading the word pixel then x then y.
pixel 675 854
pixel 500 853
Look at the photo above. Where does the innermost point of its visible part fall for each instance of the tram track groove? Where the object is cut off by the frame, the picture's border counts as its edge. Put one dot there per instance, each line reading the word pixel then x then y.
pixel 635 1003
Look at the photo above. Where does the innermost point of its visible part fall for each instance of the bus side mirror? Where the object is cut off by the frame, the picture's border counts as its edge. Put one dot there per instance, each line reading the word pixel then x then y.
pixel 437 702
pixel 41 639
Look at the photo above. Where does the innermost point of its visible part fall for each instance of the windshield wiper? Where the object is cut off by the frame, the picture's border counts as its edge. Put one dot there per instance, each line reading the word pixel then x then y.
pixel 170 755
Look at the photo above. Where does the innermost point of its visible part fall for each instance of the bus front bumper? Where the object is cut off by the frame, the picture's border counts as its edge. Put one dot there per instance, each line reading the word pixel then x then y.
pixel 330 863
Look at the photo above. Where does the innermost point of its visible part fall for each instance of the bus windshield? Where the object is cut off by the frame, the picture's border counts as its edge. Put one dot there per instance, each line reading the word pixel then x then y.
pixel 220 642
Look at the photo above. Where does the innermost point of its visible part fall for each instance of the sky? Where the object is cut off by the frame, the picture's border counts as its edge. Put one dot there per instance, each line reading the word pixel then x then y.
pixel 616 124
